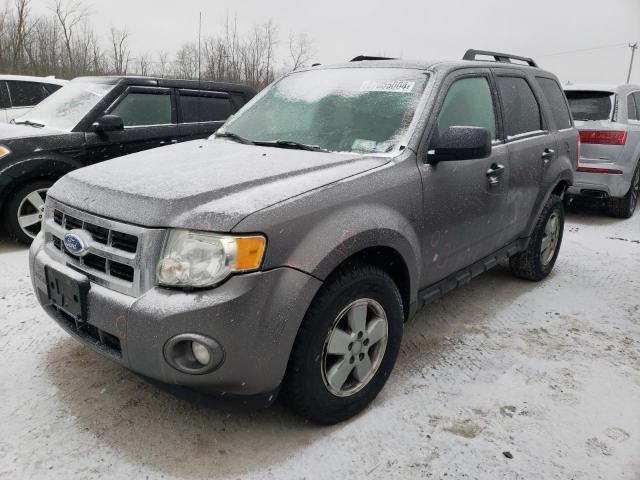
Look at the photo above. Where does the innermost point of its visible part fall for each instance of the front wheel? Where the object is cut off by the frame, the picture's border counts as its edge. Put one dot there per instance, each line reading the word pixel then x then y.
pixel 537 261
pixel 25 210
pixel 347 345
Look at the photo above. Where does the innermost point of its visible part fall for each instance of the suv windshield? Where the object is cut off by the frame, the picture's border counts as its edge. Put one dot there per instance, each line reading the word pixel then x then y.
pixel 590 105
pixel 364 110
pixel 65 108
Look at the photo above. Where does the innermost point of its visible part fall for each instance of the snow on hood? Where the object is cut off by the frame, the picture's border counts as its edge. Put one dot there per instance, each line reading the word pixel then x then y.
pixel 207 185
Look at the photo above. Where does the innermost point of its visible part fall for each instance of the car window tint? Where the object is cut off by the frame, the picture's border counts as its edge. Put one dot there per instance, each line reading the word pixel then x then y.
pixel 556 99
pixel 238 100
pixel 521 109
pixel 634 99
pixel 139 109
pixel 25 94
pixel 590 105
pixel 468 104
pixel 204 109
pixel 4 96
pixel 51 87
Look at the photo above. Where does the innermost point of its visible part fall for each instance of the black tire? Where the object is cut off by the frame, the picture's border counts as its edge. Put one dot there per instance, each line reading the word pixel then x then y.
pixel 304 386
pixel 12 226
pixel 529 264
pixel 625 207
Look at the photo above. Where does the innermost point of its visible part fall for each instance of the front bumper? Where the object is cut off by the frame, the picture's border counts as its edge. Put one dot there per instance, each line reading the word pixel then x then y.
pixel 255 317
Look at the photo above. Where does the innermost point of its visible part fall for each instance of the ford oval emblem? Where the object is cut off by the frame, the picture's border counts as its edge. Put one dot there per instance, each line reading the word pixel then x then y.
pixel 75 243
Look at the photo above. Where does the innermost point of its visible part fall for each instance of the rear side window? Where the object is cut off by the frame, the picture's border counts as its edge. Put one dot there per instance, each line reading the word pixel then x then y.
pixel 557 102
pixel 204 109
pixel 590 105
pixel 26 94
pixel 4 96
pixel 468 103
pixel 632 106
pixel 140 109
pixel 521 109
pixel 51 87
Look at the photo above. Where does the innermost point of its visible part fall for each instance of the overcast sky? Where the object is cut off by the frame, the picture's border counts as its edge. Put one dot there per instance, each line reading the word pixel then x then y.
pixel 418 29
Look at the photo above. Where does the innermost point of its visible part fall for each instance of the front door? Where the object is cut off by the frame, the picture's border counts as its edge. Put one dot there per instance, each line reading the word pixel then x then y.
pixel 464 201
pixel 149 119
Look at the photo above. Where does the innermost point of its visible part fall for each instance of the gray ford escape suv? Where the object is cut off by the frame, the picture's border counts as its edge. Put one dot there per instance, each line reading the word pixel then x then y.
pixel 286 252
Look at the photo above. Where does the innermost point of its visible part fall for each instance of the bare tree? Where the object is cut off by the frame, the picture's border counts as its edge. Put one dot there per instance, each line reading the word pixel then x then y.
pixel 144 64
pixel 72 15
pixel 164 64
pixel 121 54
pixel 301 50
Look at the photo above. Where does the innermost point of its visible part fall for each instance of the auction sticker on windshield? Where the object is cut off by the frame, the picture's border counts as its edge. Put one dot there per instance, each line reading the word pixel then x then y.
pixel 394 86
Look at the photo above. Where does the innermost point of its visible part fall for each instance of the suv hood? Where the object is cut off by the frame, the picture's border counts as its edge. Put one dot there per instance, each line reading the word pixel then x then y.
pixel 9 132
pixel 203 185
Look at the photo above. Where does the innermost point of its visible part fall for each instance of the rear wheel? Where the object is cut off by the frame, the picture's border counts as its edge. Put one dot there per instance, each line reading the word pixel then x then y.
pixel 537 261
pixel 347 345
pixel 25 210
pixel 625 207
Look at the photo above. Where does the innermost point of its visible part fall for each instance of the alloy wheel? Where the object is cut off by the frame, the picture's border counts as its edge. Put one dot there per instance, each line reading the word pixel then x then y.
pixel 31 211
pixel 355 347
pixel 550 238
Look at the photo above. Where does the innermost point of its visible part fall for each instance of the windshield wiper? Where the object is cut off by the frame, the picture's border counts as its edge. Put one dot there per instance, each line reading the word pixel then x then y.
pixel 292 144
pixel 234 136
pixel 29 123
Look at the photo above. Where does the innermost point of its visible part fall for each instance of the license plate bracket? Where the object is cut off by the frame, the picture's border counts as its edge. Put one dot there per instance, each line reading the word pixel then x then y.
pixel 68 292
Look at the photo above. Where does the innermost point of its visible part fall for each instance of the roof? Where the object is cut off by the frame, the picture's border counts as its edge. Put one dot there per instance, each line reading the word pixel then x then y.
pixel 168 82
pixel 25 78
pixel 601 87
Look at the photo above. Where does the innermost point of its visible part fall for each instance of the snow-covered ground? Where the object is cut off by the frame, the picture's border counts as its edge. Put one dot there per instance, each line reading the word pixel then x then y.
pixel 548 372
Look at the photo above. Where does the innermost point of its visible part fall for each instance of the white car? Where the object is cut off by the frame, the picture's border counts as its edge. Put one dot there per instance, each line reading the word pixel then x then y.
pixel 18 94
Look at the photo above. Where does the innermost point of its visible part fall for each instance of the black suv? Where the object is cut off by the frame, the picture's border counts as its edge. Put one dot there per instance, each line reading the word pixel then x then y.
pixel 93 119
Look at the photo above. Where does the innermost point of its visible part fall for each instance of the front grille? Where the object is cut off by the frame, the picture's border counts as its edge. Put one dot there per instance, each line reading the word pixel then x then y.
pixel 115 254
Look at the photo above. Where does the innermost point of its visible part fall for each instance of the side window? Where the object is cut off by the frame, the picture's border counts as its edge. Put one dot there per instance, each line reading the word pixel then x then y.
pixel 204 109
pixel 238 100
pixel 468 103
pixel 4 96
pixel 522 112
pixel 557 102
pixel 25 94
pixel 632 105
pixel 140 109
pixel 51 87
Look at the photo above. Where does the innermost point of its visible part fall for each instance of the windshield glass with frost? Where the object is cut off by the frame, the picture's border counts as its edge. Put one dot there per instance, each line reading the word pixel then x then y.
pixel 65 108
pixel 364 110
pixel 590 105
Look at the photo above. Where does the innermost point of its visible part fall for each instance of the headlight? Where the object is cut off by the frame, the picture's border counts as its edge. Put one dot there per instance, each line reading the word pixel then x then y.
pixel 201 259
pixel 4 151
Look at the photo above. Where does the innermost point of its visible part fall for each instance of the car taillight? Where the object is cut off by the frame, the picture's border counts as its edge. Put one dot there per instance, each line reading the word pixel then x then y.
pixel 603 137
pixel 578 151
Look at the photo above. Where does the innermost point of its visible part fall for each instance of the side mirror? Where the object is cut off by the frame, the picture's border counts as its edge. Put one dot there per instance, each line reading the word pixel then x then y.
pixel 108 123
pixel 460 143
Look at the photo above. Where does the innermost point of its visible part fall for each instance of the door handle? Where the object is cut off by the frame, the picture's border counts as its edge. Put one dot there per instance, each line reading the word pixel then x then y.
pixel 548 154
pixel 494 172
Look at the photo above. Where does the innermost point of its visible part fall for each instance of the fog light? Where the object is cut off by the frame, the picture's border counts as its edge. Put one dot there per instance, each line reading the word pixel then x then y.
pixel 201 353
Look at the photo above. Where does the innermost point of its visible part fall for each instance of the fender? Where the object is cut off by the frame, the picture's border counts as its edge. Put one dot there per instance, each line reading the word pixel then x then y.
pixel 52 165
pixel 341 235
pixel 565 176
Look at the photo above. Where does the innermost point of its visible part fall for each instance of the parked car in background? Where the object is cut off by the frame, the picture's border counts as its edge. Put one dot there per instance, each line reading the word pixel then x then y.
pixel 608 117
pixel 18 94
pixel 287 251
pixel 93 119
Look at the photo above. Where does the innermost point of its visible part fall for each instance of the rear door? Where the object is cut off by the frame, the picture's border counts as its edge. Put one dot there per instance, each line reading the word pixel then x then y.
pixel 464 202
pixel 149 117
pixel 201 113
pixel 531 146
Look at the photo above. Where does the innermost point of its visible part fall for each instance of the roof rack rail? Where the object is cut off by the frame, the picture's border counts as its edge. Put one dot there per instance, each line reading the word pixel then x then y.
pixel 362 58
pixel 471 54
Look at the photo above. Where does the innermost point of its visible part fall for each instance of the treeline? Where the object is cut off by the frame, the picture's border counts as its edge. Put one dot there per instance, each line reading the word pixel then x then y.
pixel 64 43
